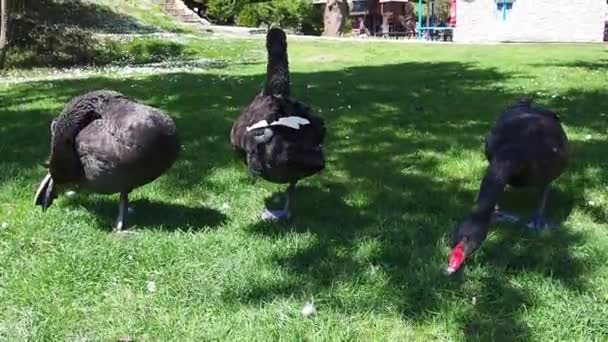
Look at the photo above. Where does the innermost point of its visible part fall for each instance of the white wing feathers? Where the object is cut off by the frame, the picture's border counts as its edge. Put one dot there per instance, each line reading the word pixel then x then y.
pixel 290 121
pixel 43 184
pixel 259 124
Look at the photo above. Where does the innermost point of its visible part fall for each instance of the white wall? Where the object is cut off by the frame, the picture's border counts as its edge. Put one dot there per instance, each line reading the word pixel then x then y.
pixel 531 20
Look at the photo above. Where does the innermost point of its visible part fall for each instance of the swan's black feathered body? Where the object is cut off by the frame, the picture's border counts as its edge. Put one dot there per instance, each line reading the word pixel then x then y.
pixel 106 143
pixel 532 139
pixel 289 155
pixel 526 147
pixel 279 138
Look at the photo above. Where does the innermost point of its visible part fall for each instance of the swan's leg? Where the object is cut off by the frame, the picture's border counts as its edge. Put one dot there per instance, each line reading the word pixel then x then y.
pixel 538 221
pixel 123 211
pixel 283 214
pixel 504 216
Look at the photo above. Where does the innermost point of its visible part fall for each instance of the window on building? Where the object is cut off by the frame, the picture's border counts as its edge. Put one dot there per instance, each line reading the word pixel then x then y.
pixel 362 6
pixel 504 7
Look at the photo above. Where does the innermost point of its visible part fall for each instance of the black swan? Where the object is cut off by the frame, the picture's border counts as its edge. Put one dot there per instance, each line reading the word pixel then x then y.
pixel 279 138
pixel 526 147
pixel 106 143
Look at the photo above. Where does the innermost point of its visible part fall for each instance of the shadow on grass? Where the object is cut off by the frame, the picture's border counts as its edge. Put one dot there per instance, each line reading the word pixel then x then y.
pixel 404 126
pixel 524 201
pixel 85 15
pixel 494 316
pixel 387 201
pixel 147 214
pixel 601 64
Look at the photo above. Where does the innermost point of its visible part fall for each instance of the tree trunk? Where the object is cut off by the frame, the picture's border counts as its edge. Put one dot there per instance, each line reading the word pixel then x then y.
pixel 334 18
pixel 428 14
pixel 3 31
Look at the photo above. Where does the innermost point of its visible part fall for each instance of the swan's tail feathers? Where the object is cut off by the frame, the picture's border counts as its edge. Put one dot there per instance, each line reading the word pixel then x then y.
pixel 45 193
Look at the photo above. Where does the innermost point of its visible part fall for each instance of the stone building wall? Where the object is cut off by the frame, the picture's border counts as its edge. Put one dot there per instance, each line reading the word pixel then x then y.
pixel 531 20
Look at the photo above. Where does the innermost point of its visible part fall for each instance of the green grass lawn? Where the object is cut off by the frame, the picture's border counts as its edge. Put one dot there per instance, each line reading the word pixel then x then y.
pixel 369 240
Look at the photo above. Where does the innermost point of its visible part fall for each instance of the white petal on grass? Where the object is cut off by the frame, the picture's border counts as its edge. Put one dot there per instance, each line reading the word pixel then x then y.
pixel 70 193
pixel 591 203
pixel 588 137
pixel 309 308
pixel 373 269
pixel 151 286
pixel 4 225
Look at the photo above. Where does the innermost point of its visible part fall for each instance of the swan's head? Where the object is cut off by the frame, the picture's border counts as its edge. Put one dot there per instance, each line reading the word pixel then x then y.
pixel 276 41
pixel 466 239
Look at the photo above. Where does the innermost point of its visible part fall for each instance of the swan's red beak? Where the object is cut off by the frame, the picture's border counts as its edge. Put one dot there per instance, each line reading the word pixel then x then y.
pixel 456 258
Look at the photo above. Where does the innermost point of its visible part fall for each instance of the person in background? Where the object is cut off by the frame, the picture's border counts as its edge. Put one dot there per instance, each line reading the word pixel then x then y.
pixel 363 31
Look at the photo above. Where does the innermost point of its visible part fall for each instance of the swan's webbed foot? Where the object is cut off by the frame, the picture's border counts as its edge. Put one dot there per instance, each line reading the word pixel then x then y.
pixel 504 216
pixel 275 215
pixel 539 223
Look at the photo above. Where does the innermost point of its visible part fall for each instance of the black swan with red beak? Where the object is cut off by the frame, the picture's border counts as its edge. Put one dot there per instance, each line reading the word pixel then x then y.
pixel 280 139
pixel 526 148
pixel 106 143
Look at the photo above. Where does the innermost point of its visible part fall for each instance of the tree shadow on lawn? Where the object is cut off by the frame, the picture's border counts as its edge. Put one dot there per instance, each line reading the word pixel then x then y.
pixel 388 150
pixel 408 244
pixel 199 103
pixel 586 111
pixel 601 64
pixel 390 129
pixel 148 214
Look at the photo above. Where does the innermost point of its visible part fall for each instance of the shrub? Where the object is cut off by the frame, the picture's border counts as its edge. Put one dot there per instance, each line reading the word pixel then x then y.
pixel 285 13
pixel 252 15
pixel 224 11
pixel 312 21
pixel 348 26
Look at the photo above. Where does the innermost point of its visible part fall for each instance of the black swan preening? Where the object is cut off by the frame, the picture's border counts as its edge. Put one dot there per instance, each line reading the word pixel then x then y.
pixel 526 147
pixel 278 137
pixel 106 143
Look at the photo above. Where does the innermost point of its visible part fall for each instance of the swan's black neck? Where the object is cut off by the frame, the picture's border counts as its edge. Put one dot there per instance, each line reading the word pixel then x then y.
pixel 471 233
pixel 277 73
pixel 64 162
pixel 492 185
